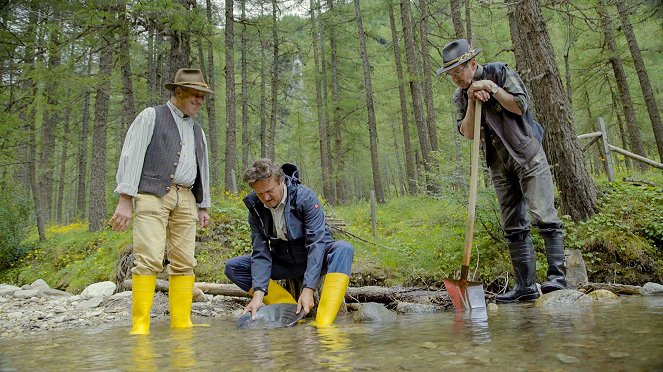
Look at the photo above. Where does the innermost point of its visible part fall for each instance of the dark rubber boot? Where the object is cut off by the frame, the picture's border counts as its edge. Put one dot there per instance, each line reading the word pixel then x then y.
pixel 554 242
pixel 524 267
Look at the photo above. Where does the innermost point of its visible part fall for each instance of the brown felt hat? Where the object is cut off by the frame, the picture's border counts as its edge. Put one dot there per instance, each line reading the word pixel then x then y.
pixel 189 78
pixel 455 53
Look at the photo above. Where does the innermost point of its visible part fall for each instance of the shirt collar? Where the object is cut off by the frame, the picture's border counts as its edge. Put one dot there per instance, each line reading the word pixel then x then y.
pixel 478 74
pixel 176 110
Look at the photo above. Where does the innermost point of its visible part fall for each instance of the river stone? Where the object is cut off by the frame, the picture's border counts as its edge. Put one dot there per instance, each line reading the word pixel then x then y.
pixel 28 293
pixel 54 292
pixel 6 289
pixel 91 303
pixel 602 295
pixel 39 284
pixel 121 295
pixel 410 308
pixel 103 289
pixel 562 297
pixel 374 312
pixel 576 271
pixel 652 289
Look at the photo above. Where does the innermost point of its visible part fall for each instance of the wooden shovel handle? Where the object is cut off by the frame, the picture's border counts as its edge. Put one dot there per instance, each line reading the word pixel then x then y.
pixel 474 180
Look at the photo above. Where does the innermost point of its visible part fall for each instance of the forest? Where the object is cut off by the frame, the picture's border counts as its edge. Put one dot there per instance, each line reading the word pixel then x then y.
pixel 344 89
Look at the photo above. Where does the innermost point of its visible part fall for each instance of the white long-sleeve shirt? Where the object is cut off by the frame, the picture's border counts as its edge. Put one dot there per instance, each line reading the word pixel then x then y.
pixel 138 138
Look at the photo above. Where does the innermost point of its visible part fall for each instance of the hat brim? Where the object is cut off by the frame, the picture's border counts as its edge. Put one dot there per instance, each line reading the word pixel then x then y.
pixel 442 70
pixel 171 86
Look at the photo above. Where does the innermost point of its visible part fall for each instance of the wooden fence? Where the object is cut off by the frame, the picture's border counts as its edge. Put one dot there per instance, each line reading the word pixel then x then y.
pixel 606 148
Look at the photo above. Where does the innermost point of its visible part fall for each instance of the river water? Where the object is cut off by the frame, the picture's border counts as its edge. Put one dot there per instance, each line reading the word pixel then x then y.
pixel 624 335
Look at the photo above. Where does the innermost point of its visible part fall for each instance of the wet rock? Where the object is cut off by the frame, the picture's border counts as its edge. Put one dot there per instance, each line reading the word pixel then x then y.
pixel 650 289
pixel 562 297
pixel 411 308
pixel 101 289
pixel 374 312
pixel 568 359
pixel 7 290
pixel 602 295
pixel 429 345
pixel 576 271
pixel 492 306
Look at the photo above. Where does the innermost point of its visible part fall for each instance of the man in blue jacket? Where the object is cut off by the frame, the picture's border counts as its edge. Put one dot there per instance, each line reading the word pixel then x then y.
pixel 290 240
pixel 519 170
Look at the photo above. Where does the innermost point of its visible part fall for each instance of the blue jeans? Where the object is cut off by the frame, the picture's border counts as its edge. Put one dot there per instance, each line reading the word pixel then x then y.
pixel 337 259
pixel 520 187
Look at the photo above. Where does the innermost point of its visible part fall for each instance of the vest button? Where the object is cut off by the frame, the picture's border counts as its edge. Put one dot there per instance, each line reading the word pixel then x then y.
pixel 172 176
pixel 182 143
pixel 168 188
pixel 179 153
pixel 175 164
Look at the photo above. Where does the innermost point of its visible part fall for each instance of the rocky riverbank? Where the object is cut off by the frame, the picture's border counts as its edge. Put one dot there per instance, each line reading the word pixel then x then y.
pixel 37 308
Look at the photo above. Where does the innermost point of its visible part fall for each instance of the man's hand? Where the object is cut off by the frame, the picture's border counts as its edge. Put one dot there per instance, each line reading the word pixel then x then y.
pixel 203 218
pixel 122 216
pixel 306 301
pixel 255 304
pixel 480 90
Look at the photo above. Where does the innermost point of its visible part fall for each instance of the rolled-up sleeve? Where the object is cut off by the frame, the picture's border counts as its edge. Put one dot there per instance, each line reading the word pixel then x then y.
pixel 204 177
pixel 513 84
pixel 132 157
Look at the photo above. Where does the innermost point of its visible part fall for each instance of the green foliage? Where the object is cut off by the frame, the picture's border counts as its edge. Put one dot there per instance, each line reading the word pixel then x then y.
pixel 15 218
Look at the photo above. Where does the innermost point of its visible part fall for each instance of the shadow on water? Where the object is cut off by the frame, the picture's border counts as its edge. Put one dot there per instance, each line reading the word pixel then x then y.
pixel 621 335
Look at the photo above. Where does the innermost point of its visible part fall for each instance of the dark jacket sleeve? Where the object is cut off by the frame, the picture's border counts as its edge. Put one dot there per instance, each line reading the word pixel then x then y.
pixel 261 265
pixel 315 235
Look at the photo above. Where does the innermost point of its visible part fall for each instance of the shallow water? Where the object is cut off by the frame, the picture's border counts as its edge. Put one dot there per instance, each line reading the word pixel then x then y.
pixel 622 335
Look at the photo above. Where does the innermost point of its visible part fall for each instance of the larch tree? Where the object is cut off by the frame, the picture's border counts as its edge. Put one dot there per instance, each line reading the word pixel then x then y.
pixel 231 142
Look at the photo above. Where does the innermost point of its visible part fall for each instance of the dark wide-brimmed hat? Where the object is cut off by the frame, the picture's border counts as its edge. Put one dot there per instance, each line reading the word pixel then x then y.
pixel 189 78
pixel 456 53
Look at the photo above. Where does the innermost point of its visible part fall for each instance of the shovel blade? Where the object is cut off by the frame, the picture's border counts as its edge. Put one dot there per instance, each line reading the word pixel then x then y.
pixel 466 295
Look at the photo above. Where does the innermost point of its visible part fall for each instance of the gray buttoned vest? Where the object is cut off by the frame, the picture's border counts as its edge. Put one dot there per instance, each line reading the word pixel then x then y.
pixel 163 155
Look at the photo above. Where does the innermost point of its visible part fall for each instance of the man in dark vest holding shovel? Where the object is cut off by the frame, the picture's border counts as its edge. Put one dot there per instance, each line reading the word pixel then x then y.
pixel 519 170
pixel 290 239
pixel 163 180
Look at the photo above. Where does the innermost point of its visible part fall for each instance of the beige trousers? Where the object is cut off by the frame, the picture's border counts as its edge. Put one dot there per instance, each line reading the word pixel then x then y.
pixel 171 218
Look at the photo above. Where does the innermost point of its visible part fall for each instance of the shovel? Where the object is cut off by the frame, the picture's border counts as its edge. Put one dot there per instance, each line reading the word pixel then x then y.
pixel 468 295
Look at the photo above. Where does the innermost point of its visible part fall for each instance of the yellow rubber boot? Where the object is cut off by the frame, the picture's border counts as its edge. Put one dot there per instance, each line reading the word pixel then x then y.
pixel 142 295
pixel 333 292
pixel 277 295
pixel 180 297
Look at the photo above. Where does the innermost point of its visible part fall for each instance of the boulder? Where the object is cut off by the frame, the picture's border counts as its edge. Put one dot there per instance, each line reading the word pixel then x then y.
pixel 91 302
pixel 562 297
pixel 601 295
pixel 412 308
pixel 650 289
pixel 374 312
pixel 28 293
pixel 103 289
pixel 39 284
pixel 576 271
pixel 7 290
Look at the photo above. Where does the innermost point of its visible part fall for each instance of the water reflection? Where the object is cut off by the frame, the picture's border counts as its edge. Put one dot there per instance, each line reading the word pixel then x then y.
pixel 142 353
pixel 182 353
pixel 335 350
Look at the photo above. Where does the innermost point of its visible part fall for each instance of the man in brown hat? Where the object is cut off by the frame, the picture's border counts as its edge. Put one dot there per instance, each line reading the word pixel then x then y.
pixel 163 180
pixel 511 141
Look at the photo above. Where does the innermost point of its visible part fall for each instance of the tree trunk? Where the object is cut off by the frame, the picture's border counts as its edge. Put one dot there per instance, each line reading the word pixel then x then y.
pixel 180 45
pixel 622 132
pixel 98 165
pixel 271 146
pixel 246 135
pixel 81 189
pixel 643 76
pixel 231 143
pixel 211 102
pixel 410 170
pixel 459 29
pixel 372 122
pixel 567 67
pixel 415 87
pixel 338 157
pixel 325 170
pixel 577 191
pixel 330 185
pixel 622 84
pixel 263 100
pixel 468 22
pixel 431 119
pixel 128 106
pixel 62 173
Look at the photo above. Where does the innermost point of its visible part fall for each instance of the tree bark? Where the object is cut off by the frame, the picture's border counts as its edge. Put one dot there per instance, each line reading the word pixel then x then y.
pixel 62 173
pixel 231 142
pixel 415 87
pixel 211 101
pixel 643 76
pixel 456 18
pixel 577 191
pixel 271 146
pixel 632 126
pixel 468 23
pixel 330 185
pixel 180 45
pixel 372 122
pixel 410 169
pixel 325 170
pixel 246 135
pixel 81 189
pixel 98 164
pixel 128 105
pixel 431 119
